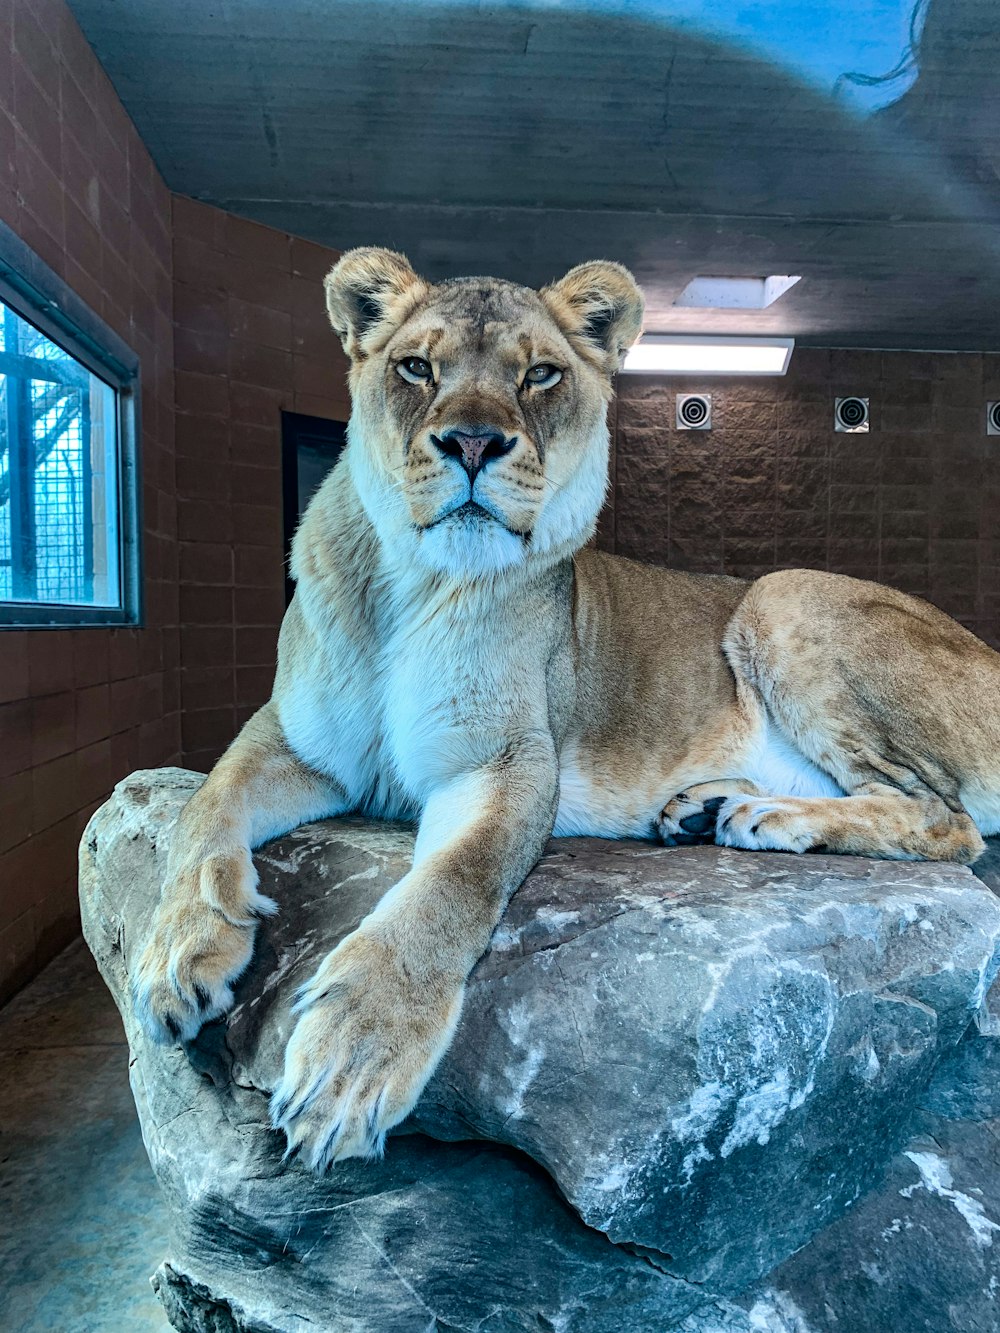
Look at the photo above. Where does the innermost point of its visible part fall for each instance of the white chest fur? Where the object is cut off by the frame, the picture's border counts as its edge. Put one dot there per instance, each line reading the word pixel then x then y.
pixel 332 716
pixel 440 696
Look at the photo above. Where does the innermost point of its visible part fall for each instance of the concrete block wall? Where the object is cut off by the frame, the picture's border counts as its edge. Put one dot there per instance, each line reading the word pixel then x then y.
pixel 235 335
pixel 914 503
pixel 251 339
pixel 81 708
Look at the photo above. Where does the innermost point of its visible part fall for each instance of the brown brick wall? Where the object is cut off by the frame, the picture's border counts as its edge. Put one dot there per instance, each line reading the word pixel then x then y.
pixel 251 339
pixel 915 503
pixel 79 709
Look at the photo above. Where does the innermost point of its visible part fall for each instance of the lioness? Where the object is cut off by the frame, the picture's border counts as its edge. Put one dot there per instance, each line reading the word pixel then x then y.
pixel 454 656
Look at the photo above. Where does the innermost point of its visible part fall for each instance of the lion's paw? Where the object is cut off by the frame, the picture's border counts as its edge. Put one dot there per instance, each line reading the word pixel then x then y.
pixel 687 820
pixel 368 1037
pixel 765 823
pixel 202 939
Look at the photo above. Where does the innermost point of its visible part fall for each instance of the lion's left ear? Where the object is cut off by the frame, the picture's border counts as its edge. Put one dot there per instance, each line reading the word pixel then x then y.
pixel 600 305
pixel 367 288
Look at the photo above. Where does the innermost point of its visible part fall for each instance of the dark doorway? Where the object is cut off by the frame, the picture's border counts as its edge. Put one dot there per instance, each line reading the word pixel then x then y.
pixel 309 448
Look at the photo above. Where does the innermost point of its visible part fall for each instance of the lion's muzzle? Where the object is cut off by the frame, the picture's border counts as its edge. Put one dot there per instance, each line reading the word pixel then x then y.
pixel 474 450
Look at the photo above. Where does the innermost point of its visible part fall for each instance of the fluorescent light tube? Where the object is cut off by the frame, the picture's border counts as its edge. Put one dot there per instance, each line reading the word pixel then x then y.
pixel 677 354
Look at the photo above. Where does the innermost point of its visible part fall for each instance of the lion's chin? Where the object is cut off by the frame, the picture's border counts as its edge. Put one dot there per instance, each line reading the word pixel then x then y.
pixel 468 543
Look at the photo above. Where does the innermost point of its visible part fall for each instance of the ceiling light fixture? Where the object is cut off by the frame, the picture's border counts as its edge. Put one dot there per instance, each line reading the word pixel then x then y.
pixel 678 354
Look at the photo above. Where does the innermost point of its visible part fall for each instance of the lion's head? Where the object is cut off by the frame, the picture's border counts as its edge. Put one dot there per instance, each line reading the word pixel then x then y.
pixel 478 434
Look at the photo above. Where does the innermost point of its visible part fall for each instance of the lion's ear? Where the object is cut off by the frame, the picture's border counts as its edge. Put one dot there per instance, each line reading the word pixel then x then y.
pixel 368 287
pixel 600 305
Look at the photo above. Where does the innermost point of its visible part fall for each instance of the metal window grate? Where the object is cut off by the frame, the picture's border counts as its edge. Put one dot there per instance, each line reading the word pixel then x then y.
pixel 58 493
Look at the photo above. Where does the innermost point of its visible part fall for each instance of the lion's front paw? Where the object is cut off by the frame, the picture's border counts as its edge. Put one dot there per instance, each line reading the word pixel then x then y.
pixel 201 940
pixel 368 1038
pixel 764 823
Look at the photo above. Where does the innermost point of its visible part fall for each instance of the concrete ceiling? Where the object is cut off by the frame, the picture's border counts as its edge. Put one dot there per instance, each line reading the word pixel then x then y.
pixel 682 137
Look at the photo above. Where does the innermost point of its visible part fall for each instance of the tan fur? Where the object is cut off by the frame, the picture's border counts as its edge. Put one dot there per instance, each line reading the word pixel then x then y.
pixel 454 655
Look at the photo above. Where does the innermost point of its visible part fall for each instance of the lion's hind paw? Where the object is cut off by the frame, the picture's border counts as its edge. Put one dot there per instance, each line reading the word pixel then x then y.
pixel 687 821
pixel 767 823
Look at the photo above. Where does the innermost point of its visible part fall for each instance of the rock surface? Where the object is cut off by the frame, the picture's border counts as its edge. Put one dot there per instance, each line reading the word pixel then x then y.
pixel 920 1253
pixel 675 1067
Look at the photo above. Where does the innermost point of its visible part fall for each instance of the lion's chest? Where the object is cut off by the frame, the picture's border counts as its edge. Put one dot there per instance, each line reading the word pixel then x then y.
pixel 331 712
pixel 451 695
pixel 391 725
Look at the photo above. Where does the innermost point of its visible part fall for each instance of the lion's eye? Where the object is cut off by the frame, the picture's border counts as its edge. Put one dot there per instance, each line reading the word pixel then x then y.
pixel 543 376
pixel 415 370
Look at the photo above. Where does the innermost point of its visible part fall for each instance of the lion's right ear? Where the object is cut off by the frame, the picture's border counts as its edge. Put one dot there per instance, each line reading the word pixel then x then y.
pixel 366 288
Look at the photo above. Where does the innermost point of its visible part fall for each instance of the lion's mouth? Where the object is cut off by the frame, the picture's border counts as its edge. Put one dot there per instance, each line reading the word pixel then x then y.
pixel 472 512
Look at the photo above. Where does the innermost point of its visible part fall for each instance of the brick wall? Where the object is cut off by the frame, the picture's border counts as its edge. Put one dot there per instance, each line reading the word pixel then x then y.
pixel 251 339
pixel 79 709
pixel 915 503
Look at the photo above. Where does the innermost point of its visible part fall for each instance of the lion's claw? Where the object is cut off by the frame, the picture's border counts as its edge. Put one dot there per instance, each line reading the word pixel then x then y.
pixel 367 1040
pixel 202 939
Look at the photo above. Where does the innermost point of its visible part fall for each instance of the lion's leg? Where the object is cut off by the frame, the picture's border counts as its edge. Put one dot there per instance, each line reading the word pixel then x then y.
pixel 873 821
pixel 380 1012
pixel 883 693
pixel 690 816
pixel 201 936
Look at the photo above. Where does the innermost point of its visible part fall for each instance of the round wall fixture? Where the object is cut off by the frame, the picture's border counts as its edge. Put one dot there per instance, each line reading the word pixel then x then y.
pixel 993 418
pixel 694 411
pixel 850 414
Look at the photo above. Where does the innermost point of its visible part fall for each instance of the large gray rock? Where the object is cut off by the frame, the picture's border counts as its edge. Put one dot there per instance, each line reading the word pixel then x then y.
pixel 920 1253
pixel 674 1068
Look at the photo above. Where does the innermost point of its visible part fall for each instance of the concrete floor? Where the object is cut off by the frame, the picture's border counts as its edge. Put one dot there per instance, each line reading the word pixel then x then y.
pixel 81 1222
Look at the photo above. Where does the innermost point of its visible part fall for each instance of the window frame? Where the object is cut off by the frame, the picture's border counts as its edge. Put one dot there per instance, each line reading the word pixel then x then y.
pixel 34 292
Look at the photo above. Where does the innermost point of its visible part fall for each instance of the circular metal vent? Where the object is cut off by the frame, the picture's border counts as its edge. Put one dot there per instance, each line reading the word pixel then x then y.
pixel 850 414
pixel 993 418
pixel 694 411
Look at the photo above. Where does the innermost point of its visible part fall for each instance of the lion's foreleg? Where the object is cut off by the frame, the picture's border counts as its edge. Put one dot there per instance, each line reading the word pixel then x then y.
pixel 381 1010
pixel 201 936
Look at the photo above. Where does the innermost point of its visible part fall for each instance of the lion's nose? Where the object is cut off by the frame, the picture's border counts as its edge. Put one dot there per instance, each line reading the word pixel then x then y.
pixel 474 450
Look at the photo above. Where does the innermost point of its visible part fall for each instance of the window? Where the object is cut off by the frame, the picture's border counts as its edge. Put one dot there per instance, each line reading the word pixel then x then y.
pixel 68 387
